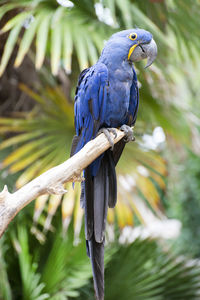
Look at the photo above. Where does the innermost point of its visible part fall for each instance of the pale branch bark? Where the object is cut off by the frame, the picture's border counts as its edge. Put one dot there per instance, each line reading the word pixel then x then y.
pixel 52 180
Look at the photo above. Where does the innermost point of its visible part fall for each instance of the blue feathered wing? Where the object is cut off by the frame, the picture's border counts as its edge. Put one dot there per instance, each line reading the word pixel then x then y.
pixel 90 103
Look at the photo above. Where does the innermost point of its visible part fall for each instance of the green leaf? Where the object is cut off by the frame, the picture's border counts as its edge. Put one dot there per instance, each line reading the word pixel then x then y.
pixel 19 139
pixel 32 288
pixel 91 50
pixel 5 8
pixel 140 17
pixel 81 49
pixel 67 47
pixel 5 288
pixel 9 46
pixel 25 149
pixel 16 21
pixel 152 274
pixel 26 41
pixel 125 8
pixel 57 16
pixel 39 166
pixel 56 44
pixel 68 266
pixel 32 157
pixel 41 39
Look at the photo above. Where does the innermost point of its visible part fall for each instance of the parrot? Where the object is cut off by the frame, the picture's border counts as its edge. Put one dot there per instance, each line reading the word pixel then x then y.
pixel 106 98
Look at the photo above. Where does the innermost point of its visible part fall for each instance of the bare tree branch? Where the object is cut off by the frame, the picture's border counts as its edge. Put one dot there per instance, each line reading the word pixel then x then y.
pixel 52 181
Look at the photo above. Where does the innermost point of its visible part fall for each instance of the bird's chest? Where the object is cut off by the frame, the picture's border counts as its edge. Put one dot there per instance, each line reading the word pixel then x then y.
pixel 118 97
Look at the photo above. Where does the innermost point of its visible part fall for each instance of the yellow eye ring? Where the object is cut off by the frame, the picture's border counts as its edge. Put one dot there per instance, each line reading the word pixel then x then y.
pixel 132 36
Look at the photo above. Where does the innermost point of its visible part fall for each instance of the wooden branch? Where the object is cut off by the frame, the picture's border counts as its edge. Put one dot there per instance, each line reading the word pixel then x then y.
pixel 52 180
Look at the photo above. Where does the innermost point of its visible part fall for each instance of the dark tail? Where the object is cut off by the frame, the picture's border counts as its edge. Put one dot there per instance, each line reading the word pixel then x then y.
pixel 96 253
pixel 99 193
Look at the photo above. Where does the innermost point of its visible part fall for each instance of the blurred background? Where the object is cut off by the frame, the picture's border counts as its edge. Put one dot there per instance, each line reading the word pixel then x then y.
pixel 152 238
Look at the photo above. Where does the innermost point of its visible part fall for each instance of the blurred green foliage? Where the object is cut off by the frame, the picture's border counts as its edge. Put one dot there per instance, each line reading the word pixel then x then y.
pixel 58 38
pixel 75 36
pixel 60 270
pixel 185 205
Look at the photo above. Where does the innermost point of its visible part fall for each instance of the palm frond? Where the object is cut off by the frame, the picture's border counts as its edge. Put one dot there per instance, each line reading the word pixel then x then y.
pixel 152 274
pixel 142 270
pixel 44 135
pixel 5 289
pixel 9 46
pixel 45 141
pixel 58 269
pixel 54 28
pixel 31 283
pixel 56 31
pixel 69 267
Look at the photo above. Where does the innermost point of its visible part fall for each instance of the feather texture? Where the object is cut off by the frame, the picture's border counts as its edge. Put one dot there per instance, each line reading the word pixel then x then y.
pixel 106 96
pixel 100 199
pixel 96 253
pixel 98 189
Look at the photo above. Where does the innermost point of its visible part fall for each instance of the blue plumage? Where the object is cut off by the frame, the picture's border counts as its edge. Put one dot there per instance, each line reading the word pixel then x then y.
pixel 107 92
pixel 90 103
pixel 107 96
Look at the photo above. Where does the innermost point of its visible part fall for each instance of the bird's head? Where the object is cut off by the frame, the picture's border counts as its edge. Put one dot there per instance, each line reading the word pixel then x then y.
pixel 133 45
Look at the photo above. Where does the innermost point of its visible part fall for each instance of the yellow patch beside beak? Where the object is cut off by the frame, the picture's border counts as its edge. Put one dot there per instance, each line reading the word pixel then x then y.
pixel 131 50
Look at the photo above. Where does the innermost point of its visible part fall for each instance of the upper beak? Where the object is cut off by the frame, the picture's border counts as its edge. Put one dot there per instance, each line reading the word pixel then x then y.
pixel 151 52
pixel 142 51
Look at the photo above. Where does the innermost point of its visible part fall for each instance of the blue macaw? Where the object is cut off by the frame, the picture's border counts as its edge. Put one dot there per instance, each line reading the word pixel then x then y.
pixel 107 97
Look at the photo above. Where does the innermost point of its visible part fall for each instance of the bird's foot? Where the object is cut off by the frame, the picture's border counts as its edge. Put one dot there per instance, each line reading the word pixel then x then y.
pixel 107 132
pixel 128 133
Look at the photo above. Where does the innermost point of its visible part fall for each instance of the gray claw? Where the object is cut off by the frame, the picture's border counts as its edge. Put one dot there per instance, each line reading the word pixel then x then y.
pixel 128 133
pixel 107 131
pixel 113 131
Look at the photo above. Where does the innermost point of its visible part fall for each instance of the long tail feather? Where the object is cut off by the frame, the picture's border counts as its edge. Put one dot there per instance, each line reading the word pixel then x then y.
pixel 112 179
pixel 99 192
pixel 96 251
pixel 88 204
pixel 100 198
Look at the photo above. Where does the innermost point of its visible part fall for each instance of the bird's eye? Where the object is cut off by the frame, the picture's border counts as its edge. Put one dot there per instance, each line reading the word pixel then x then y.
pixel 133 36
